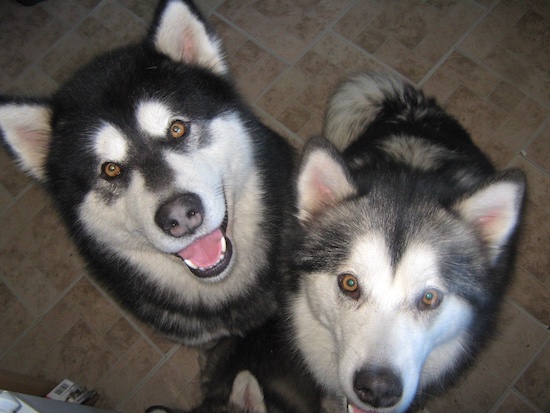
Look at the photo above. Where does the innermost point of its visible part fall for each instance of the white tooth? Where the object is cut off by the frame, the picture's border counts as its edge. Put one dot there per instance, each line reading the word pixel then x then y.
pixel 350 408
pixel 224 244
pixel 191 264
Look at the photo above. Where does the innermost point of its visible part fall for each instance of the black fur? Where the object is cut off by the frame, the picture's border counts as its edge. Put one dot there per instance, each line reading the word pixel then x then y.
pixel 108 89
pixel 267 353
pixel 411 167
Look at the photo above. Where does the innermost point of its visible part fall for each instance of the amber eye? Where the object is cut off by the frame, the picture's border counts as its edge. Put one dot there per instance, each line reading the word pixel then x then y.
pixel 178 129
pixel 349 285
pixel 431 299
pixel 111 169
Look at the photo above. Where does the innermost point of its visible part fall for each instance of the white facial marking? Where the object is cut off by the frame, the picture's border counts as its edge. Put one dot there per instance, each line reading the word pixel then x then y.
pixel 110 144
pixel 127 226
pixel 384 328
pixel 153 117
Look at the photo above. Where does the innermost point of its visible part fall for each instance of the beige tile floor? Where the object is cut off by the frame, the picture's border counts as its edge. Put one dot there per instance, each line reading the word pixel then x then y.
pixel 487 61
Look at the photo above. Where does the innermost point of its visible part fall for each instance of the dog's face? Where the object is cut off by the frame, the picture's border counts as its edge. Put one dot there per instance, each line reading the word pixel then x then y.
pixel 393 321
pixel 146 150
pixel 154 187
pixel 388 289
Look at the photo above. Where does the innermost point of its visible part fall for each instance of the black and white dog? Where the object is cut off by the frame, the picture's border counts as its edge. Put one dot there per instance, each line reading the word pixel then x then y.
pixel 172 189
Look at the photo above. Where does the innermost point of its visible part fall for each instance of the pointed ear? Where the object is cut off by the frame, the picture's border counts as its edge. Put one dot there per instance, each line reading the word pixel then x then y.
pixel 495 209
pixel 247 393
pixel 323 179
pixel 180 32
pixel 26 131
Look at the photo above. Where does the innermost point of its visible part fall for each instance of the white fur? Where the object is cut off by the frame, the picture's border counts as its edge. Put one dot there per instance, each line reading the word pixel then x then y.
pixel 127 224
pixel 26 128
pixel 153 117
pixel 110 145
pixel 416 152
pixel 355 104
pixel 338 335
pixel 182 37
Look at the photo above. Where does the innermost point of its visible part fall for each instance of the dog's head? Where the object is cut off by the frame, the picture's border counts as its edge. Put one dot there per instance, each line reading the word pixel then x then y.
pixel 391 283
pixel 145 149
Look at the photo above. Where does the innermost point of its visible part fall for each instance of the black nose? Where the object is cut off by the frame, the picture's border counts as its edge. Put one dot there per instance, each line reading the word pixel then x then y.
pixel 180 215
pixel 379 387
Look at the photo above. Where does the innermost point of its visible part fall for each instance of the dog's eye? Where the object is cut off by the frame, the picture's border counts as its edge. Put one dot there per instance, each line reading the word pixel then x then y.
pixel 431 299
pixel 178 129
pixel 111 170
pixel 349 285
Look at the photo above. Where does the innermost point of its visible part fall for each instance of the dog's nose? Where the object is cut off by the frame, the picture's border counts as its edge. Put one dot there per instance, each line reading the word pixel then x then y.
pixel 379 387
pixel 180 215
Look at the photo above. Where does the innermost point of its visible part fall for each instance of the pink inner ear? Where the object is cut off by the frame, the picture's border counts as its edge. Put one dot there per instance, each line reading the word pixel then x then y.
pixel 488 224
pixel 34 138
pixel 323 190
pixel 487 219
pixel 33 148
pixel 248 399
pixel 326 192
pixel 188 49
pixel 323 193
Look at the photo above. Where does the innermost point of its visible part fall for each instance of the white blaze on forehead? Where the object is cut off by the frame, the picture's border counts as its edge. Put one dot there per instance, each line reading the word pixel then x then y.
pixel 153 117
pixel 111 145
pixel 370 261
pixel 416 269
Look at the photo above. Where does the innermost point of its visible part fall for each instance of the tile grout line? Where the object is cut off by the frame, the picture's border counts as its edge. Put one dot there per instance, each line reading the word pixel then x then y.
pixel 17 198
pixel 454 46
pixel 70 29
pixel 248 36
pixel 135 390
pixel 165 356
pixel 260 111
pixel 511 387
pixel 371 56
pixel 523 311
pixel 262 46
pixel 523 151
pixel 266 48
pixel 480 63
pixel 126 315
pixel 37 319
pixel 527 364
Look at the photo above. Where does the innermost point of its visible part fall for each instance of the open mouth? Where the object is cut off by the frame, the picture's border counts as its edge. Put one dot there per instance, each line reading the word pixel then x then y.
pixel 209 255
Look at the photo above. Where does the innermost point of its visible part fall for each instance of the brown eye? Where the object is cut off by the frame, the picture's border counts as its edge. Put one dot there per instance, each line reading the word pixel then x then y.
pixel 178 129
pixel 111 169
pixel 349 285
pixel 431 299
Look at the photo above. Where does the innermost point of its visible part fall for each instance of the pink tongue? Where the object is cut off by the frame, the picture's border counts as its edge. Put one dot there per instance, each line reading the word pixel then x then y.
pixel 206 251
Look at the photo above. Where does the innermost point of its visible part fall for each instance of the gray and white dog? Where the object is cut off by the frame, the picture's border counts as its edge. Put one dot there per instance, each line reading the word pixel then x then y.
pixel 403 246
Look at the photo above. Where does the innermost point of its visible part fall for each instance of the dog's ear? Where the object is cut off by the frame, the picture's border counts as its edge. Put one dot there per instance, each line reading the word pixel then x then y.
pixel 26 131
pixel 495 209
pixel 323 179
pixel 247 393
pixel 180 32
